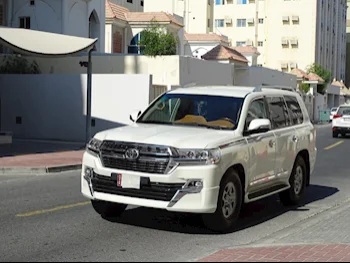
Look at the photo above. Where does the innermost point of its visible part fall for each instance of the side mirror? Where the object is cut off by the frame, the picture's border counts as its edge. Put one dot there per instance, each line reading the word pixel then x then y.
pixel 259 126
pixel 135 115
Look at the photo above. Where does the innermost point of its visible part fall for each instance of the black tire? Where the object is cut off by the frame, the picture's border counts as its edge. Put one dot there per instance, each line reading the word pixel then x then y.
pixel 219 222
pixel 335 135
pixel 295 194
pixel 108 209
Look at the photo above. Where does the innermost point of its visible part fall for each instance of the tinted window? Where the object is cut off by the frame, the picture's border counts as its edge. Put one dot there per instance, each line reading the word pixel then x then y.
pixel 294 110
pixel 278 112
pixel 256 110
pixel 194 110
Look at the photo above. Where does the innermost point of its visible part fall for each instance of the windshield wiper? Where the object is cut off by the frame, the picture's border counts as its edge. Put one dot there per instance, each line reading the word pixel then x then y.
pixel 156 122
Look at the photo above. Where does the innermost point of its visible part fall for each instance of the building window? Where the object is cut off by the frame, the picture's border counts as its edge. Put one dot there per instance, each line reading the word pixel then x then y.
pixel 242 2
pixel 219 22
pixel 141 3
pixel 219 2
pixel 241 22
pixel 135 47
pixel 24 22
pixel 129 1
pixel 240 43
pixel 261 20
pixel 260 44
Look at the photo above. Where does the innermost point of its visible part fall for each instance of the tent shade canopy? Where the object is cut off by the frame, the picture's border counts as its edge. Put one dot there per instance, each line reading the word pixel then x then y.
pixel 43 44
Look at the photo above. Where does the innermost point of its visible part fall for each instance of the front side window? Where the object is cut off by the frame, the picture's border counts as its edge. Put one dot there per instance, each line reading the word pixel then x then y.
pixel 278 112
pixel 206 111
pixel 257 110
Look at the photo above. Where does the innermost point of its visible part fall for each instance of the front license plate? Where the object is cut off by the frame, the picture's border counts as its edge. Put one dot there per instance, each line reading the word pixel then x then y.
pixel 127 181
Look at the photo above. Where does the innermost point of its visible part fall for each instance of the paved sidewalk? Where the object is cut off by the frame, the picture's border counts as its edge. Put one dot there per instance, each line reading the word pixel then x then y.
pixel 42 163
pixel 324 237
pixel 306 253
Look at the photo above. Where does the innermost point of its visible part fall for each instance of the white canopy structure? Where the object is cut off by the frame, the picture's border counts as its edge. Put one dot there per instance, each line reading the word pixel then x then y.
pixel 39 43
pixel 43 44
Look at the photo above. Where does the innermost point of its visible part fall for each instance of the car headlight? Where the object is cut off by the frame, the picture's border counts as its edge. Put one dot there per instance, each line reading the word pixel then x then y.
pixel 94 146
pixel 198 156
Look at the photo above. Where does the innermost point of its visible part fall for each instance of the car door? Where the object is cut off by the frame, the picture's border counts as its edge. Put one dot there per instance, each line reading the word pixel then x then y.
pixel 285 137
pixel 262 148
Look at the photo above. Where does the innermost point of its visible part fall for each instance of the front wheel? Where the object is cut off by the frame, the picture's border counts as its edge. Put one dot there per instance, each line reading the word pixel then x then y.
pixel 108 209
pixel 228 206
pixel 297 181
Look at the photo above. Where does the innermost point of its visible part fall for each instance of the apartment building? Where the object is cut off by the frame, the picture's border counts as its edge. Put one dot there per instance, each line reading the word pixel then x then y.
pixel 289 34
pixel 347 77
pixel 197 14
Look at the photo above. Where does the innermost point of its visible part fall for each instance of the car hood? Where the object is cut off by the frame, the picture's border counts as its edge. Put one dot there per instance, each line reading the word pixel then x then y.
pixel 175 136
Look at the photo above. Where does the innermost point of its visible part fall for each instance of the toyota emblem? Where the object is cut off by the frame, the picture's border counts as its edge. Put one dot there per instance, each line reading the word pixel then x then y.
pixel 132 154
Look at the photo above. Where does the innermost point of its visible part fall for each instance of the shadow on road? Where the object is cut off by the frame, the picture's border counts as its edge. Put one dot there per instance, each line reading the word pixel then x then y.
pixel 252 214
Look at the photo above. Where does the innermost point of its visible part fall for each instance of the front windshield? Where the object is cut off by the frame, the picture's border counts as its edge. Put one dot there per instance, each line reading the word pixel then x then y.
pixel 207 111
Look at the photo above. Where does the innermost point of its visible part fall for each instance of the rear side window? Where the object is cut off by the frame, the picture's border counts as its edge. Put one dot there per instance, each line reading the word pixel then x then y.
pixel 278 112
pixel 294 109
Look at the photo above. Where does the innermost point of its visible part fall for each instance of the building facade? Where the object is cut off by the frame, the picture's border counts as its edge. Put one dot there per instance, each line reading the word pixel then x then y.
pixel 82 18
pixel 347 77
pixel 197 14
pixel 289 34
pixel 131 5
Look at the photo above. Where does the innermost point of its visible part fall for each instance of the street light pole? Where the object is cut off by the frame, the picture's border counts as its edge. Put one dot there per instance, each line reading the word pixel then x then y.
pixel 88 98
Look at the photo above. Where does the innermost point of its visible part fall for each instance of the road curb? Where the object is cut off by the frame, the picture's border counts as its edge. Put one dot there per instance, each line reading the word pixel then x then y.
pixel 39 170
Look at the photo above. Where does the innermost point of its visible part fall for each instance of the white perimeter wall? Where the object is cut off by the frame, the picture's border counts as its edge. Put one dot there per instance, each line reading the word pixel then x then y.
pixel 54 106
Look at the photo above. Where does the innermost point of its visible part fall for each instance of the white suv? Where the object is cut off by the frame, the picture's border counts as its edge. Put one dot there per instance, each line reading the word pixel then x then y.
pixel 204 150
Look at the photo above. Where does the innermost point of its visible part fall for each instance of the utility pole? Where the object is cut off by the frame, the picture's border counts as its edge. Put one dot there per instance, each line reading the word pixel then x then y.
pixel 256 23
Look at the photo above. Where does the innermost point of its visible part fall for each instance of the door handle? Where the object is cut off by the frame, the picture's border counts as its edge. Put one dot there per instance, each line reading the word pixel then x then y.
pixel 272 143
pixel 295 138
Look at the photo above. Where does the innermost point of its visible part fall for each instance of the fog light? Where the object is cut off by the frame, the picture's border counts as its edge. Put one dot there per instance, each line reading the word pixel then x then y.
pixel 194 186
pixel 89 173
pixel 198 184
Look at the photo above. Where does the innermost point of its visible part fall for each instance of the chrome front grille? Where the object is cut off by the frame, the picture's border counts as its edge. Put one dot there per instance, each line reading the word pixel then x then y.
pixel 152 159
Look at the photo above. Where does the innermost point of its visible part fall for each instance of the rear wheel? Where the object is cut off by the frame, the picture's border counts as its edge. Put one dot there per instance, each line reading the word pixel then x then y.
pixel 228 206
pixel 297 180
pixel 335 135
pixel 108 209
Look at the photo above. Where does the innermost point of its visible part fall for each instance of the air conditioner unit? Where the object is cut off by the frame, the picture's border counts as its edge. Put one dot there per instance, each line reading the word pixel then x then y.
pixel 294 42
pixel 284 42
pixel 249 43
pixel 295 18
pixel 293 65
pixel 284 65
pixel 250 20
pixel 228 20
pixel 285 18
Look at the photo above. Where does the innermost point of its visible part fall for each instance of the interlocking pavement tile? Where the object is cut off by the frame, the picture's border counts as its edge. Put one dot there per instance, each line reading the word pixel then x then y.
pixel 304 253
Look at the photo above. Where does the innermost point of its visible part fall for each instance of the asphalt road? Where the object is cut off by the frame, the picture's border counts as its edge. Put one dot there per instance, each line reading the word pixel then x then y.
pixel 45 218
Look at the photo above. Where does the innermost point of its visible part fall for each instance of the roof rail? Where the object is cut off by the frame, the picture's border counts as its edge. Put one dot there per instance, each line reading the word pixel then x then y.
pixel 257 89
pixel 288 88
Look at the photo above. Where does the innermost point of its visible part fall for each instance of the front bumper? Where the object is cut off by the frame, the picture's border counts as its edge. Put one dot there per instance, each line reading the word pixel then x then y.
pixel 176 191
